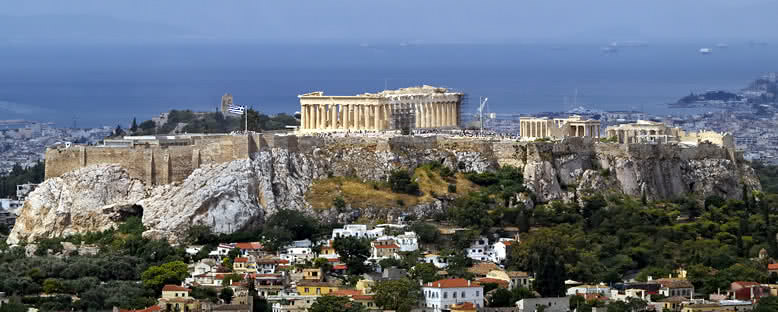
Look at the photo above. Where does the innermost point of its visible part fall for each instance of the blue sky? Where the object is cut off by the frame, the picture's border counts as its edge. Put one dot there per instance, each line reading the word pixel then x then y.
pixel 375 21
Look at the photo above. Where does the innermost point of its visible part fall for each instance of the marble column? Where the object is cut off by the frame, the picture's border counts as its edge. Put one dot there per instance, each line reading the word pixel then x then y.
pixel 417 115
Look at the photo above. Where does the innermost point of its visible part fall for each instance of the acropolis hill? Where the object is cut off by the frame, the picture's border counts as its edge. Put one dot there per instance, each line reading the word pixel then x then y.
pixel 233 181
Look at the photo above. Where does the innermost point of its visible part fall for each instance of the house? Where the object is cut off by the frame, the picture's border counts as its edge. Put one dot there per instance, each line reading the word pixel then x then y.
pixel 369 280
pixel 721 306
pixel 297 254
pixel 519 279
pixel 498 277
pixel 313 274
pixel 674 304
pixel 204 266
pixel 551 304
pixel 193 249
pixel 480 250
pixel 464 307
pixel 481 269
pixel 584 290
pixel 253 248
pixel 772 268
pixel 358 231
pixel 437 260
pixel 269 284
pixel 269 265
pixel 244 265
pixel 442 294
pixel 384 249
pixel 501 250
pixel 233 307
pixel 284 302
pixel 176 298
pixel 671 287
pixel 408 241
pixel 222 250
pixel 328 251
pixel 316 288
pixel 355 295
pixel 748 290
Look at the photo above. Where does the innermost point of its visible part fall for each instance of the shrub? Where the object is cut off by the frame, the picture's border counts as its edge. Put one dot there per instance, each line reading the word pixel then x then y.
pixel 400 182
pixel 452 188
pixel 605 172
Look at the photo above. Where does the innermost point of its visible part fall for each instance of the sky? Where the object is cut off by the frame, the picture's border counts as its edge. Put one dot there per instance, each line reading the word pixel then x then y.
pixel 378 21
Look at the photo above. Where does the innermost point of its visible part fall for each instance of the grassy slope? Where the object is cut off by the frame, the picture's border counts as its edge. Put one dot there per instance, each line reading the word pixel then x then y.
pixel 378 194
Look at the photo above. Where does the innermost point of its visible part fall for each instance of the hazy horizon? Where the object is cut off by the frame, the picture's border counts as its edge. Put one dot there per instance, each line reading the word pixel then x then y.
pixel 432 21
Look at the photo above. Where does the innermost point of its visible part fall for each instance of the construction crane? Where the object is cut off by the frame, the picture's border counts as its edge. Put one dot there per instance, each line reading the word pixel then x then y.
pixel 481 105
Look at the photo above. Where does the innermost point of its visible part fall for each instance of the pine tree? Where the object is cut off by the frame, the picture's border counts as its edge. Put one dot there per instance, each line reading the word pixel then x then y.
pixel 134 126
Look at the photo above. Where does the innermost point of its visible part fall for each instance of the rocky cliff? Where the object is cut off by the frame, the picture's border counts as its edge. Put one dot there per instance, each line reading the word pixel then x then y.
pixel 241 193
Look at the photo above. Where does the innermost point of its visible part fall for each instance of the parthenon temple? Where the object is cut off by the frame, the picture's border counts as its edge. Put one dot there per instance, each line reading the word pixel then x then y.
pixel 558 128
pixel 652 132
pixel 415 107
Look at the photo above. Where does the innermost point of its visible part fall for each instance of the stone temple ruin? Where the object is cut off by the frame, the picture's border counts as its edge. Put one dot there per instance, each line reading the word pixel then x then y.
pixel 415 107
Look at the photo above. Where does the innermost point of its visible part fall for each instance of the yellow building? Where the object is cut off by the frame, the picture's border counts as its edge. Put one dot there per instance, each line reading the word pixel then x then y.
pixel 313 274
pixel 316 288
pixel 176 298
pixel 244 265
pixel 464 307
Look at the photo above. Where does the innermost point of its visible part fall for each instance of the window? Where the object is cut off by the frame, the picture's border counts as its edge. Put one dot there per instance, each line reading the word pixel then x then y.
pixel 445 295
pixel 454 295
pixel 307 290
pixel 463 294
pixel 477 293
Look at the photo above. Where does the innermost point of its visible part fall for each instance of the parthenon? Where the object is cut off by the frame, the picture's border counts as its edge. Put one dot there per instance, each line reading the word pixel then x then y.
pixel 415 107
pixel 557 128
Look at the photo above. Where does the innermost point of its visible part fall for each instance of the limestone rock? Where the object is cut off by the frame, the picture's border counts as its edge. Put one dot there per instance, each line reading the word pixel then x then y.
pixel 94 198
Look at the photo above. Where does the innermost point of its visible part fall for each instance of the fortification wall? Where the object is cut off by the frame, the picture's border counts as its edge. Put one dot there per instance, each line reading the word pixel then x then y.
pixel 161 165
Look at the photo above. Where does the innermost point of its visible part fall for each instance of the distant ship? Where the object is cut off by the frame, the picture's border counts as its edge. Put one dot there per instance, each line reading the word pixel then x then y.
pixel 705 51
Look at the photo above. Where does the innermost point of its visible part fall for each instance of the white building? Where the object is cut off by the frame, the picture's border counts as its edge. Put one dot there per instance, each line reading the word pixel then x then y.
pixel 589 289
pixel 437 260
pixel 480 250
pixel 440 295
pixel 358 231
pixel 408 241
pixel 222 250
pixel 297 254
pixel 552 304
pixel 501 249
pixel 193 249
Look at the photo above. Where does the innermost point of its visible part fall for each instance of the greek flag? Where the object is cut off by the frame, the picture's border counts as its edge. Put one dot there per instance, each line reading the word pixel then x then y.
pixel 236 109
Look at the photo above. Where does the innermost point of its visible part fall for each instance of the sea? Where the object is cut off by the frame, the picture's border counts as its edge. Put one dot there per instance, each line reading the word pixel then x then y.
pixel 109 84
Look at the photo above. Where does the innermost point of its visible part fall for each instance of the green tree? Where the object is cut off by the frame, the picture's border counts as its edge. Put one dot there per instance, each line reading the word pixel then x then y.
pixel 51 285
pixel 328 303
pixel 425 272
pixel 226 295
pixel 169 273
pixel 399 295
pixel 353 252
pixel 134 126
pixel 766 304
pixel 400 182
pixel 542 254
pixel 230 278
pixel 501 298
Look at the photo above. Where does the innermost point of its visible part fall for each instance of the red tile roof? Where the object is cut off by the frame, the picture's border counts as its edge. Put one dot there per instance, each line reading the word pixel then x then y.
pixel 746 284
pixel 339 267
pixel 387 246
pixel 507 243
pixel 333 260
pixel 772 266
pixel 347 292
pixel 499 282
pixel 252 245
pixel 362 297
pixel 149 309
pixel 175 288
pixel 453 283
pixel 241 259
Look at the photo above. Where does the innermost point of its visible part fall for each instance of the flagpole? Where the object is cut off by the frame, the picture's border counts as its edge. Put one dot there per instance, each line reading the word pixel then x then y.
pixel 247 120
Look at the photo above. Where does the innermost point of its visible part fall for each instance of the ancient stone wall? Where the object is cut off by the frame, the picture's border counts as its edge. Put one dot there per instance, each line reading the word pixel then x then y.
pixel 162 165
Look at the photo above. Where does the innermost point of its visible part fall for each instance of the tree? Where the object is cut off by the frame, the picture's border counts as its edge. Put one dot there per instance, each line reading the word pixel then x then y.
pixel 473 211
pixel 230 278
pixel 398 295
pixel 134 126
pixel 118 131
pixel 766 304
pixel 353 252
pixel 425 272
pixel 169 273
pixel 400 182
pixel 501 298
pixel 542 254
pixel 427 233
pixel 226 295
pixel 51 285
pixel 328 303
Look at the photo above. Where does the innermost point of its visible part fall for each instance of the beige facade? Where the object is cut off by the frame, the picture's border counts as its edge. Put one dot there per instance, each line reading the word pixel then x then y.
pixel 558 128
pixel 644 131
pixel 415 107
